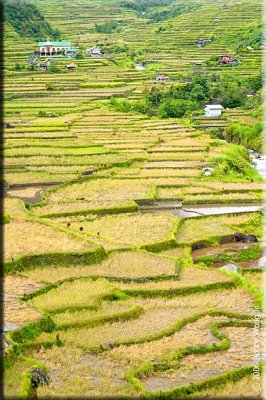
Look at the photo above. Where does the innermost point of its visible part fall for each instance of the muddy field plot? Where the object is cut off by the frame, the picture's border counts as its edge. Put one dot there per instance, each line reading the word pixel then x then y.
pixel 17 312
pixel 239 355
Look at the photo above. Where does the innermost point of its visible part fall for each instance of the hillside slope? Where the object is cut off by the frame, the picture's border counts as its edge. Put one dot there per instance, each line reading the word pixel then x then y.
pixel 121 208
pixel 27 20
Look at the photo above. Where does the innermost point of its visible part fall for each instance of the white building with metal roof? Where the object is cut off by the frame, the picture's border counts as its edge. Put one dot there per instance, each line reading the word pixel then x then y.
pixel 213 110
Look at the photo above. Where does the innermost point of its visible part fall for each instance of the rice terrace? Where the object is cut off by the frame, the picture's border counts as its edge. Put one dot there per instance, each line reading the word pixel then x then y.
pixel 133 182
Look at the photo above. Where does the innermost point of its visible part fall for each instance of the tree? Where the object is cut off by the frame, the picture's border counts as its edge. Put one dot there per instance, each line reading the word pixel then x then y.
pixel 18 67
pixel 79 55
pixel 54 68
pixel 154 96
pixel 175 108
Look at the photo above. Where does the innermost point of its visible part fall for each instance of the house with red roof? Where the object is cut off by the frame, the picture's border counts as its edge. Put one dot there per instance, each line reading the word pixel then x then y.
pixel 227 59
pixel 161 78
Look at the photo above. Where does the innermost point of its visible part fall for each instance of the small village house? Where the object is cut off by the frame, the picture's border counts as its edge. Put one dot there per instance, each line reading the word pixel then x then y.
pixel 71 53
pixel 36 61
pixel 213 110
pixel 71 66
pixel 161 78
pixel 201 42
pixel 94 51
pixel 43 65
pixel 140 67
pixel 53 48
pixel 227 59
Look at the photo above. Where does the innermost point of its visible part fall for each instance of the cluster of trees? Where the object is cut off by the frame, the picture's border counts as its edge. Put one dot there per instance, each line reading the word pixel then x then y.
pixel 198 89
pixel 174 11
pixel 144 5
pixel 107 27
pixel 251 36
pixel 181 100
pixel 27 20
pixel 245 135
pixel 160 10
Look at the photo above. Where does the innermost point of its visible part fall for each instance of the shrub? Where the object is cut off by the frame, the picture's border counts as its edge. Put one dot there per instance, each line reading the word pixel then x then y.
pixel 236 161
pixel 5 218
pixel 18 67
pixel 107 27
pixel 54 68
pixel 248 136
pixel 50 86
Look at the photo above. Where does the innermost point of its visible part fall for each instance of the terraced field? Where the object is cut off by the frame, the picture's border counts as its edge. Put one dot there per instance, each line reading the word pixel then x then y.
pixel 111 286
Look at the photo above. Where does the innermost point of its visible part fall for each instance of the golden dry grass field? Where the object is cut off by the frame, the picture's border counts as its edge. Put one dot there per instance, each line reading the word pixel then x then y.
pixel 104 208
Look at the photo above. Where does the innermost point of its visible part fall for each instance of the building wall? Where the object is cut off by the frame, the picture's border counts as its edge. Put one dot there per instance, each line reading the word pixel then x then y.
pixel 213 113
pixel 52 49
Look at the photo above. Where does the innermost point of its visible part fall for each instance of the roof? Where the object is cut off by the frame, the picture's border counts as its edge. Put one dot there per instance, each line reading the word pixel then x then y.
pixel 93 48
pixel 58 44
pixel 69 50
pixel 71 65
pixel 162 76
pixel 214 106
pixel 228 61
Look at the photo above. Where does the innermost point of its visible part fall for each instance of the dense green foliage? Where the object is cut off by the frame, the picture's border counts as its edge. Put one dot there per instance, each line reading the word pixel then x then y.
pixel 5 218
pixel 175 108
pixel 181 100
pixel 144 5
pixel 196 90
pixel 160 10
pixel 252 36
pixel 27 20
pixel 107 27
pixel 248 136
pixel 172 12
pixel 236 162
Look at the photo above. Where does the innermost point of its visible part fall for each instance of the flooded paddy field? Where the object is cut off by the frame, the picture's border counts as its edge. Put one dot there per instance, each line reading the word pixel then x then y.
pixel 189 211
pixel 114 234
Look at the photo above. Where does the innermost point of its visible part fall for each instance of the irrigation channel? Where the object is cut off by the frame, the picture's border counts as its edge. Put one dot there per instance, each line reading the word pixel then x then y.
pixel 176 207
pixel 156 383
pixel 196 210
